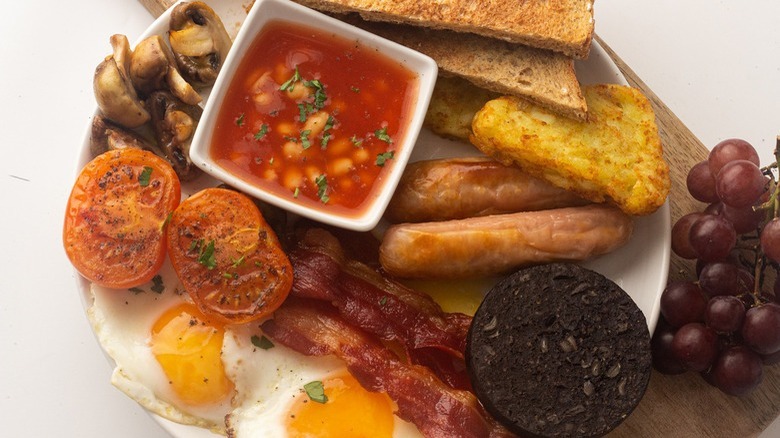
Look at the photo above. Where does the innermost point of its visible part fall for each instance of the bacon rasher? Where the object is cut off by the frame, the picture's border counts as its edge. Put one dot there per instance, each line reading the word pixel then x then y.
pixel 381 306
pixel 439 411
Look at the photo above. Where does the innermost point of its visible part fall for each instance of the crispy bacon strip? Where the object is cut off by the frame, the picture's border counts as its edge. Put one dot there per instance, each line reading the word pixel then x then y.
pixel 313 328
pixel 381 306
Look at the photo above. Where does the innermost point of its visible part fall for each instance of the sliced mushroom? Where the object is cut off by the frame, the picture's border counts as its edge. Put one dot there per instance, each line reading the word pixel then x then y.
pixel 174 123
pixel 153 68
pixel 199 41
pixel 108 136
pixel 114 92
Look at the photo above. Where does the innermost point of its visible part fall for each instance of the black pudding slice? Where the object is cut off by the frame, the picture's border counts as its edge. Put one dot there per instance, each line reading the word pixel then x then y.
pixel 558 350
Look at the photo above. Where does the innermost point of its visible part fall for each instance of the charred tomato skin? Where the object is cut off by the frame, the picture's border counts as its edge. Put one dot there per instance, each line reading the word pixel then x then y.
pixel 227 257
pixel 115 217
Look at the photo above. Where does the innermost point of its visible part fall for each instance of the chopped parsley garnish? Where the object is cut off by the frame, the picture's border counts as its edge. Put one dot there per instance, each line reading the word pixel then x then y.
pixel 240 120
pixel 382 158
pixel 302 113
pixel 166 221
pixel 206 256
pixel 326 131
pixel 316 391
pixel 383 301
pixel 262 132
pixel 322 188
pixel 262 342
pixel 319 93
pixel 290 83
pixel 157 284
pixel 314 83
pixel 296 192
pixel 305 138
pixel 358 142
pixel 354 89
pixel 238 262
pixel 382 135
pixel 145 177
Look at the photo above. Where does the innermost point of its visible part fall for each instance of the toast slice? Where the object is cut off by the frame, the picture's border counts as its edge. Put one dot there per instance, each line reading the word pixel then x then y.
pixel 615 156
pixel 544 77
pixel 564 26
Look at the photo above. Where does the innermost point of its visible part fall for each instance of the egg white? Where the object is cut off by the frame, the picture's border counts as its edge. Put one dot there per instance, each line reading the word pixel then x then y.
pixel 268 382
pixel 122 320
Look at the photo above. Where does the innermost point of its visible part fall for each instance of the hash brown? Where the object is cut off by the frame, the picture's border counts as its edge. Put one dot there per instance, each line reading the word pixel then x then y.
pixel 614 156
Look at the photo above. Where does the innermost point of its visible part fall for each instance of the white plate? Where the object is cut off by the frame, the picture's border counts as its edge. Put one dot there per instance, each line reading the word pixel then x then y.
pixel 641 267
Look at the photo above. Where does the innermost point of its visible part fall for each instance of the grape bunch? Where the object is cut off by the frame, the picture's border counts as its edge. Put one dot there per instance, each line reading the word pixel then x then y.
pixel 726 323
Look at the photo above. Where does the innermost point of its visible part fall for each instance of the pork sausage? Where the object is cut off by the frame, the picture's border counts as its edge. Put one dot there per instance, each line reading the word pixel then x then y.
pixel 492 245
pixel 458 188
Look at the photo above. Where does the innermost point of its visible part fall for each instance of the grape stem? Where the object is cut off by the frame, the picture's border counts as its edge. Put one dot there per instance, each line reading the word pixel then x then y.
pixel 772 205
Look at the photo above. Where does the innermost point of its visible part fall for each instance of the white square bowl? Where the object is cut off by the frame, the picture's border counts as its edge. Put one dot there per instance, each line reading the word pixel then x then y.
pixel 267 11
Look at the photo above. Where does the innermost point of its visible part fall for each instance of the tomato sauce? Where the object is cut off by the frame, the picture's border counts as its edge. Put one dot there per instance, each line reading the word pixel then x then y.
pixel 314 117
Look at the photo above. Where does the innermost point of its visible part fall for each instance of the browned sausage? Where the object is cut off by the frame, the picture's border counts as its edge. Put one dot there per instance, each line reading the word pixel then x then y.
pixel 491 245
pixel 458 188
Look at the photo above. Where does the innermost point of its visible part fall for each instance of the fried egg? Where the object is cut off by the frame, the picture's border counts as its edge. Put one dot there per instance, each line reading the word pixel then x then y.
pixel 167 354
pixel 282 393
pixel 178 364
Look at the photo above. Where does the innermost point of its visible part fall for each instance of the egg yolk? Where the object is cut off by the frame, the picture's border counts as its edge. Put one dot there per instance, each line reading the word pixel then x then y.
pixel 463 295
pixel 188 347
pixel 349 412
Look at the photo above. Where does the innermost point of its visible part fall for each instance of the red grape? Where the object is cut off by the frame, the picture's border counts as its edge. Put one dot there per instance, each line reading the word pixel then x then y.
pixel 683 302
pixel 740 183
pixel 661 346
pixel 761 329
pixel 681 244
pixel 725 313
pixel 695 346
pixel 722 324
pixel 701 183
pixel 737 370
pixel 712 237
pixel 770 239
pixel 730 150
pixel 719 278
pixel 744 220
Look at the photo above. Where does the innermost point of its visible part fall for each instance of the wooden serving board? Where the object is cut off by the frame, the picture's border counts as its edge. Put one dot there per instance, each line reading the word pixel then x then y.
pixel 683 405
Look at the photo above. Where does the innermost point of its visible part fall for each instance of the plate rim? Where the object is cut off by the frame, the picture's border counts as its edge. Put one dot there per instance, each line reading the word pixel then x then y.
pixel 598 57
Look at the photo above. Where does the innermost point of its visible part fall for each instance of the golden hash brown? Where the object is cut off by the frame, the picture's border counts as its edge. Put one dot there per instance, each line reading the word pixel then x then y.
pixel 615 156
pixel 453 104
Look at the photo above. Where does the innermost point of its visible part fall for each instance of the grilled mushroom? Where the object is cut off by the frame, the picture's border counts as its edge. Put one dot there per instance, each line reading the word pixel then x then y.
pixel 114 92
pixel 108 136
pixel 153 68
pixel 174 123
pixel 199 42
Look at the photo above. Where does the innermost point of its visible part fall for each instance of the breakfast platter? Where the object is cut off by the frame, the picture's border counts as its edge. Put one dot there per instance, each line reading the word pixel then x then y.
pixel 672 405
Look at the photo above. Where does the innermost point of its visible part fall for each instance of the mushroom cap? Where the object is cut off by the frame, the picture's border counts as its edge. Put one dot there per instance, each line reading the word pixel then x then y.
pixel 153 68
pixel 116 97
pixel 199 42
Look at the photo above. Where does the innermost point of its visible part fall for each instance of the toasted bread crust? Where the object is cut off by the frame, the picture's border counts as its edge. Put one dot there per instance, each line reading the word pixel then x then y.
pixel 564 26
pixel 616 156
pixel 541 76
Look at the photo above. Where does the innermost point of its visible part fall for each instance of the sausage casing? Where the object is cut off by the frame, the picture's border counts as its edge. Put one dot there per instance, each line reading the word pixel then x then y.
pixel 491 245
pixel 458 188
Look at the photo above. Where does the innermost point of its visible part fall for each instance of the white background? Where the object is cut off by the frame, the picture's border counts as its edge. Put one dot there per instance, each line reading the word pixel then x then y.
pixel 716 64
